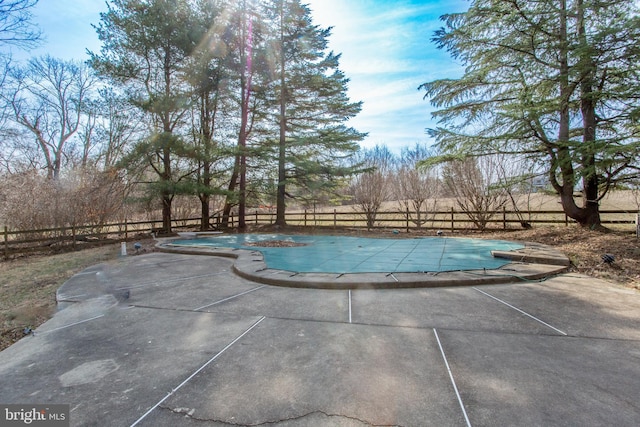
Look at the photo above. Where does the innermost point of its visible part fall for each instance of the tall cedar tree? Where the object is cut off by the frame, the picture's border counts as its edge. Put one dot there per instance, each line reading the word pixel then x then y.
pixel 312 104
pixel 145 44
pixel 554 79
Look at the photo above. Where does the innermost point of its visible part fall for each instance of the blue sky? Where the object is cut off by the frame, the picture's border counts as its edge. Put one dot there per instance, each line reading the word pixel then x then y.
pixel 387 53
pixel 385 45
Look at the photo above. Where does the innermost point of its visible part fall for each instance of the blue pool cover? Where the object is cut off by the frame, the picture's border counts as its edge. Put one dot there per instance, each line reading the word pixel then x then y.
pixel 343 254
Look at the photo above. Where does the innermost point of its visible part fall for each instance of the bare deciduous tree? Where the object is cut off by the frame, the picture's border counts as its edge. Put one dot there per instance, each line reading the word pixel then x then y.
pixel 82 197
pixel 117 126
pixel 16 27
pixel 372 187
pixel 47 98
pixel 5 114
pixel 474 184
pixel 417 188
pixel 369 190
pixel 515 175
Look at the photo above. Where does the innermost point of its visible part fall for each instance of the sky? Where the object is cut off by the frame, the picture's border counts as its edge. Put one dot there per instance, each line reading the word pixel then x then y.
pixel 386 53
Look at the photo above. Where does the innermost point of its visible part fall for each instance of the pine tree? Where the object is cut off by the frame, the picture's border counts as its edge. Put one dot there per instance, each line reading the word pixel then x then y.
pixel 209 71
pixel 145 46
pixel 250 74
pixel 312 103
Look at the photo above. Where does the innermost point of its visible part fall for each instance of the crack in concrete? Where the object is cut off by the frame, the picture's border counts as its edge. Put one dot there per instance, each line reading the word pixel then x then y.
pixel 189 413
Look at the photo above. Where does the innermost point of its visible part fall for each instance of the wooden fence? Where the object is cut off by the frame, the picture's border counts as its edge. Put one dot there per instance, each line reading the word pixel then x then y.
pixel 451 220
pixel 65 238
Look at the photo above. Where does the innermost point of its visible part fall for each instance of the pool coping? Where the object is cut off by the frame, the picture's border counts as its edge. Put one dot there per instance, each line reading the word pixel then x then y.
pixel 533 262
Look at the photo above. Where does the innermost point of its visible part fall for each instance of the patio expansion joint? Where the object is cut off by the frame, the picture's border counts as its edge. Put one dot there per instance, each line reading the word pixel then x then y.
pixel 175 309
pixel 430 327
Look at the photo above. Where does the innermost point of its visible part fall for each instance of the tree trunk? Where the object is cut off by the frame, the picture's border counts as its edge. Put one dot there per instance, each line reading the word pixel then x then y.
pixel 282 152
pixel 204 197
pixel 204 212
pixel 208 114
pixel 245 90
pixel 242 202
pixel 167 195
pixel 206 168
pixel 228 204
pixel 166 212
pixel 588 215
pixel 57 167
pixel 591 214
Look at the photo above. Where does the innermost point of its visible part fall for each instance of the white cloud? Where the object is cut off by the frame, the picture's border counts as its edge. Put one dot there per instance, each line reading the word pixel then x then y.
pixel 387 53
pixel 385 45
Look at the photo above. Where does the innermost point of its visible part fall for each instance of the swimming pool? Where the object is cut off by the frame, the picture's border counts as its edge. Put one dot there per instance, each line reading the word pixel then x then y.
pixel 346 254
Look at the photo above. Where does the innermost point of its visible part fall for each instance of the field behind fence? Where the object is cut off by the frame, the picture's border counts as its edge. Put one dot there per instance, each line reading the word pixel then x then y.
pixel 56 239
pixel 451 220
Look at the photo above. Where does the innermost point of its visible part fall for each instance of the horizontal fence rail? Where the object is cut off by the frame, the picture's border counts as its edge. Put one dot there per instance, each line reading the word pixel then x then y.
pixel 22 242
pixel 63 238
pixel 450 220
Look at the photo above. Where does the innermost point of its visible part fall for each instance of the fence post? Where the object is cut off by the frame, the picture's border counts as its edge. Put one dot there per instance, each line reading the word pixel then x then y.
pixel 73 237
pixel 407 219
pixel 256 216
pixel 6 242
pixel 452 219
pixel 504 217
pixel 305 217
pixel 335 219
pixel 126 229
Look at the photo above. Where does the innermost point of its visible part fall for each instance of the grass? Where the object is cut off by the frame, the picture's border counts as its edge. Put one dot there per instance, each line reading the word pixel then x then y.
pixel 28 287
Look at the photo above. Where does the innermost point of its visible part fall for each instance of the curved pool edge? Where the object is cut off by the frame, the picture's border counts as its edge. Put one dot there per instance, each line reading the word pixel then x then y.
pixel 532 262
